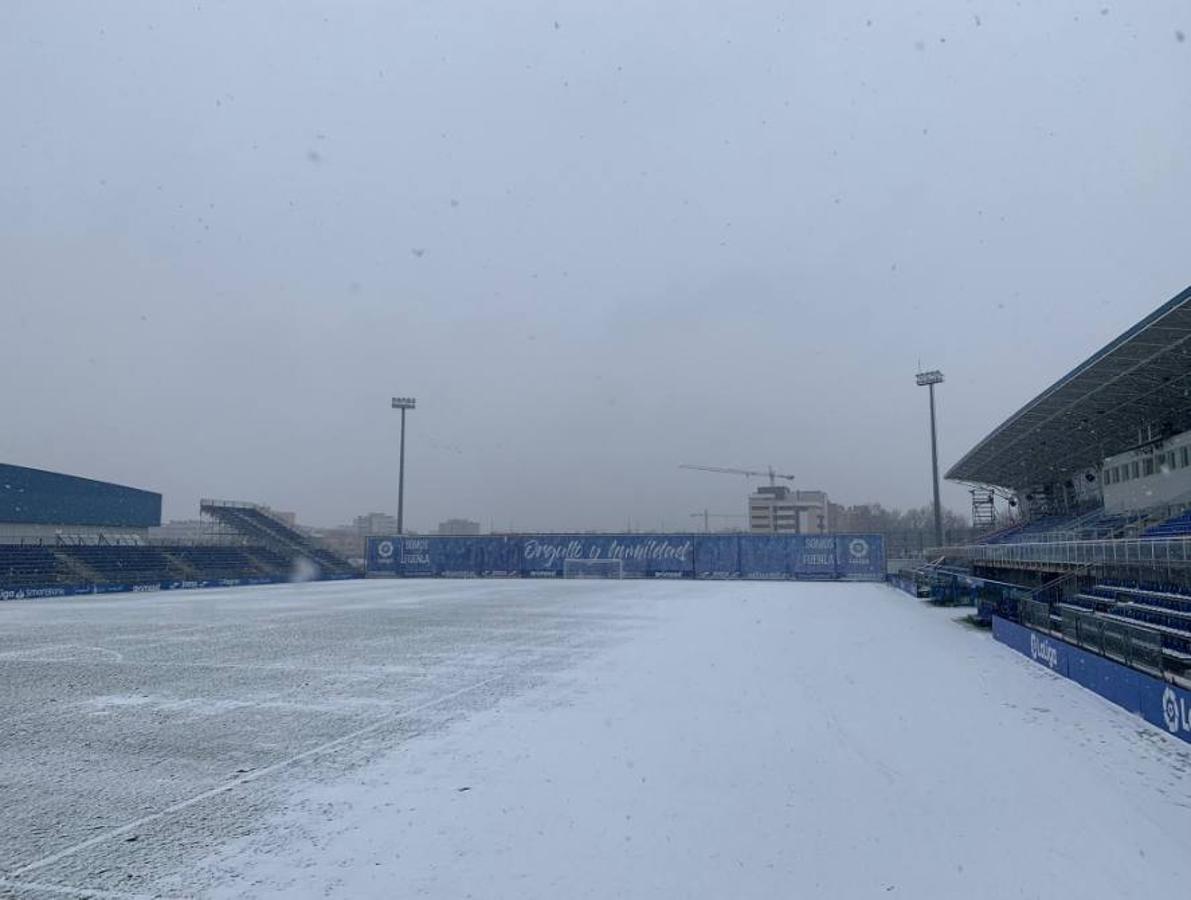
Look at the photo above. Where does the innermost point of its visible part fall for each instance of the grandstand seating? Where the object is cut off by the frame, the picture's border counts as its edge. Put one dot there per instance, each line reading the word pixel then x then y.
pixel 232 562
pixel 1162 608
pixel 265 548
pixel 258 525
pixel 1177 526
pixel 80 565
pixel 123 564
pixel 1098 524
pixel 1103 524
pixel 23 566
pixel 1035 530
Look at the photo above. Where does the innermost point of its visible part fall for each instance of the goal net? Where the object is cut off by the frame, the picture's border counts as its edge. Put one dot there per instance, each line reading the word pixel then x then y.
pixel 593 568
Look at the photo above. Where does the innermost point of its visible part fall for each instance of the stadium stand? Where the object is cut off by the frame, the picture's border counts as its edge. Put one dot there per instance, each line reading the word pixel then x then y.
pixel 257 523
pixel 1043 528
pixel 31 566
pixel 1098 467
pixel 1175 526
pixel 62 534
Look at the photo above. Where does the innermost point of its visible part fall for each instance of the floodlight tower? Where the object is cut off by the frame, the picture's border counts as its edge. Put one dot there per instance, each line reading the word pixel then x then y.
pixel 402 403
pixel 929 380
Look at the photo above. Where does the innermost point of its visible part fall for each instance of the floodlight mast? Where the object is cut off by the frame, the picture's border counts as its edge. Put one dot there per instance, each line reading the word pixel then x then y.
pixel 929 380
pixel 402 403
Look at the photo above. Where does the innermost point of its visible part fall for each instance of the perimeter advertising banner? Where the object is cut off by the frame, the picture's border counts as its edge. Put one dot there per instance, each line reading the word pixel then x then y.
pixel 1159 703
pixel 758 556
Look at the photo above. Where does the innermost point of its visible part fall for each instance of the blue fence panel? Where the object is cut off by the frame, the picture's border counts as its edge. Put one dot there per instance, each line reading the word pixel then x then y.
pixel 664 556
pixel 413 556
pixel 1163 705
pixel 717 556
pixel 500 555
pixel 1166 706
pixel 765 555
pixel 814 556
pixel 381 556
pixel 643 555
pixel 860 555
pixel 456 557
pixel 1111 680
pixel 1043 649
pixel 543 555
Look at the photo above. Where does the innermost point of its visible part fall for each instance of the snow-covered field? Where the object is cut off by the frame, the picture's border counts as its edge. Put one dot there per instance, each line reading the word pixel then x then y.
pixel 564 739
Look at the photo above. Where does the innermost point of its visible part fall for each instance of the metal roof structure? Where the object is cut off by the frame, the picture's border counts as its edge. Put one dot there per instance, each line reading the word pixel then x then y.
pixel 36 497
pixel 1138 382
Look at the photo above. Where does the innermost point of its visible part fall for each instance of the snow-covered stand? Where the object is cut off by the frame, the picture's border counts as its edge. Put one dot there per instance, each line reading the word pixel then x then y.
pixel 855 557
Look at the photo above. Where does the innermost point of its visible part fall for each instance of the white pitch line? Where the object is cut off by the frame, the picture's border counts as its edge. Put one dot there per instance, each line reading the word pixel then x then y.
pixel 245 779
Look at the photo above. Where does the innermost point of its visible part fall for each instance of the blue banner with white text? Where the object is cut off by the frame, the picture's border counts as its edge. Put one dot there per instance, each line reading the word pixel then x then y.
pixel 758 556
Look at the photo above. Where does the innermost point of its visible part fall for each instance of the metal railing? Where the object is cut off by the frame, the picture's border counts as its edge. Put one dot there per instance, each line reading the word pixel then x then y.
pixel 234 504
pixel 1127 551
pixel 1134 645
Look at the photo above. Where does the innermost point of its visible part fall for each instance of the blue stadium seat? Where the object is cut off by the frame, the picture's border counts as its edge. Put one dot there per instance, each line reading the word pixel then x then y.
pixel 1177 526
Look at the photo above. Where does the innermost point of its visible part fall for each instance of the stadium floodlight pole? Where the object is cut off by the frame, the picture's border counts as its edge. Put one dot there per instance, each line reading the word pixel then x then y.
pixel 402 403
pixel 929 380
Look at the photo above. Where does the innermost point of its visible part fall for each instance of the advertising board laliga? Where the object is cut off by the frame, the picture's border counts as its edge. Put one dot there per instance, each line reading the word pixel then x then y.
pixel 1161 704
pixel 759 556
pixel 859 556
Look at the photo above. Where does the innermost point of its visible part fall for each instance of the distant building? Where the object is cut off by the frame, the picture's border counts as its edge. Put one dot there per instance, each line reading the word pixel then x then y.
pixel 776 509
pixel 458 526
pixel 376 523
pixel 346 540
pixel 349 540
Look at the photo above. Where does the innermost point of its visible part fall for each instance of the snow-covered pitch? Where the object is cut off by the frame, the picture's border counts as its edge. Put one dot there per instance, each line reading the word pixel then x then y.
pixel 560 739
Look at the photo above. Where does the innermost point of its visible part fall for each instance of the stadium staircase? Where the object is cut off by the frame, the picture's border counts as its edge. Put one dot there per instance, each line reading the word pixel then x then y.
pixel 261 526
pixel 182 569
pixel 73 571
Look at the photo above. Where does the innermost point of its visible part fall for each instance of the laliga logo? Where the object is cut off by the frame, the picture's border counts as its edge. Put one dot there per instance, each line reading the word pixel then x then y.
pixel 1044 651
pixel 1175 712
pixel 1170 710
pixel 384 549
pixel 858 548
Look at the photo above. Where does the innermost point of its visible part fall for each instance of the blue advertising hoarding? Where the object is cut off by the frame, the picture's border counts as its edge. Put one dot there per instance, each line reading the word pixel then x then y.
pixel 717 556
pixel 767 555
pixel 777 556
pixel 641 555
pixel 1159 703
pixel 859 556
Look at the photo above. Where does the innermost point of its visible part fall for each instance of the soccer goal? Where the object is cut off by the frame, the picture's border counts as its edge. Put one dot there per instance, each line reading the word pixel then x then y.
pixel 593 568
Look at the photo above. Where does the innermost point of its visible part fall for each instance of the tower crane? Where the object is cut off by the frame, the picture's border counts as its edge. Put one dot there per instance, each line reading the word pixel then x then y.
pixel 747 473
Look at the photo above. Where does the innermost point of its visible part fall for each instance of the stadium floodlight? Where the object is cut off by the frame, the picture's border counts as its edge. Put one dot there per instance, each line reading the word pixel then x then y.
pixel 403 404
pixel 929 380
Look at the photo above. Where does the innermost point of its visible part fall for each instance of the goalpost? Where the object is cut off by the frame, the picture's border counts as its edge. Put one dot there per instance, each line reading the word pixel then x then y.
pixel 593 568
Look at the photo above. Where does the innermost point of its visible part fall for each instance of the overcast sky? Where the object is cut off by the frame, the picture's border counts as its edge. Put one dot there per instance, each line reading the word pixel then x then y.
pixel 595 240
